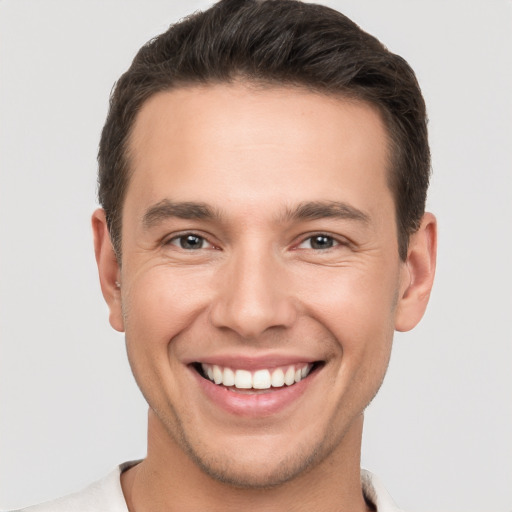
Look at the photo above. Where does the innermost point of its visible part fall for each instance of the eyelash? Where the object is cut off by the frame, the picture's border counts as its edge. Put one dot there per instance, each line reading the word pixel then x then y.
pixel 334 241
pixel 183 236
pixel 177 241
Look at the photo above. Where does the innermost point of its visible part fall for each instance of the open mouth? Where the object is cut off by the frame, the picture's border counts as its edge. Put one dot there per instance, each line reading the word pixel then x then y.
pixel 261 379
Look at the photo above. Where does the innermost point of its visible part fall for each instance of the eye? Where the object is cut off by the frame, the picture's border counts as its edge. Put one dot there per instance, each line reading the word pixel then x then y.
pixel 318 242
pixel 190 242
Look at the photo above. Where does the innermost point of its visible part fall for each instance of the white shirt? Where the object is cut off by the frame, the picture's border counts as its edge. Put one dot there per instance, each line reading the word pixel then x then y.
pixel 106 495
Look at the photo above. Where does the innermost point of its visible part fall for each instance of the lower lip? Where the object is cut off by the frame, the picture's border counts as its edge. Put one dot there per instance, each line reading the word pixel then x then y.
pixel 253 405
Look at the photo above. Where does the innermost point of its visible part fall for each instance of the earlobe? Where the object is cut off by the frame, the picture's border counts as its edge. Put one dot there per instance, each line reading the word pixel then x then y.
pixel 417 275
pixel 108 269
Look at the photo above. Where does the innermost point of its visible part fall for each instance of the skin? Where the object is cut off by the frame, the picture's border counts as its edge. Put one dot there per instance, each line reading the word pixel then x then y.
pixel 257 285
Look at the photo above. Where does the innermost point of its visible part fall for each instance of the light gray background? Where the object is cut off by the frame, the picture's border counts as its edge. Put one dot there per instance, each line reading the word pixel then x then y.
pixel 439 434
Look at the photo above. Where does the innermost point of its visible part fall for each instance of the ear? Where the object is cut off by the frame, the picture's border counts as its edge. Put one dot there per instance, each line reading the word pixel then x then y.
pixel 417 275
pixel 108 269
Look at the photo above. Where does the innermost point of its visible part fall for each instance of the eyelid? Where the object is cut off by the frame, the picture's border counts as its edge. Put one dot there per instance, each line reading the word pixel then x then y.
pixel 181 234
pixel 337 239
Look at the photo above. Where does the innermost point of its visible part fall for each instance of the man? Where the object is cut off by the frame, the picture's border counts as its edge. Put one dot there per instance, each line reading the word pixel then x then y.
pixel 263 172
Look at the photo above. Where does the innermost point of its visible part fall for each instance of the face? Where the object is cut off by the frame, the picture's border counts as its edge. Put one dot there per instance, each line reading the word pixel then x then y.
pixel 260 279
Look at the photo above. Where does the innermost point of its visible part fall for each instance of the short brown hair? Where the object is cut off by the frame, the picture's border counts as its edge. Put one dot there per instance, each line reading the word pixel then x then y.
pixel 280 42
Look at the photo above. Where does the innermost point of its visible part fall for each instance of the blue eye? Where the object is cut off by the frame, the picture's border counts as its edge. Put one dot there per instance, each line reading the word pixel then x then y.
pixel 189 242
pixel 318 242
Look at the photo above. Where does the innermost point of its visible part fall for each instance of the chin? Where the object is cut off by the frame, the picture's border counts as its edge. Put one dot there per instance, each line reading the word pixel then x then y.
pixel 256 473
pixel 256 464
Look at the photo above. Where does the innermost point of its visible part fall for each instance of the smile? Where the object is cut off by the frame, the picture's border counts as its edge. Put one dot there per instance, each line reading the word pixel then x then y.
pixel 259 379
pixel 249 388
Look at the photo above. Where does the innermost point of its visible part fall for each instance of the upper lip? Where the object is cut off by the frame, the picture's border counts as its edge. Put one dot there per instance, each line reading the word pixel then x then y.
pixel 252 362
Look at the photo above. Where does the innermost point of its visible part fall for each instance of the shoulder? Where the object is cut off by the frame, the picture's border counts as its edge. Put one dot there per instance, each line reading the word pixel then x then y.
pixel 375 492
pixel 104 495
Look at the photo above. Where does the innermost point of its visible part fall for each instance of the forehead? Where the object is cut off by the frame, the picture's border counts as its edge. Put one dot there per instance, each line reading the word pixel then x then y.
pixel 248 144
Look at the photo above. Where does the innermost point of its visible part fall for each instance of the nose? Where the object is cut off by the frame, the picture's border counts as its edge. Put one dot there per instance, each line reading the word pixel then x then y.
pixel 253 295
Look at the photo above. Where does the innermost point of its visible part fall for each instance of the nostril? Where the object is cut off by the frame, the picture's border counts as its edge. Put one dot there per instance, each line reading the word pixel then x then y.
pixel 251 318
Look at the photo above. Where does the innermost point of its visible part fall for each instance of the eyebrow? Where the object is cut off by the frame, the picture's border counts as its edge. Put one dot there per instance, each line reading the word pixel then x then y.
pixel 314 210
pixel 166 209
pixel 311 210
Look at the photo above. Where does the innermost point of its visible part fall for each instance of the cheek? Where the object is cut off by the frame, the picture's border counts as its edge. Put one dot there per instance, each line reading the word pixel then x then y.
pixel 158 305
pixel 357 306
pixel 162 301
pixel 352 293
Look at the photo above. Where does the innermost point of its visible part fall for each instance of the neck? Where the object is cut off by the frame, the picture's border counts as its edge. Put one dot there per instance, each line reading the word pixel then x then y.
pixel 168 479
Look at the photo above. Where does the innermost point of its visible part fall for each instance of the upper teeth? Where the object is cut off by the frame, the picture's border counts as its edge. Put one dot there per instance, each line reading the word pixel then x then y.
pixel 259 379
